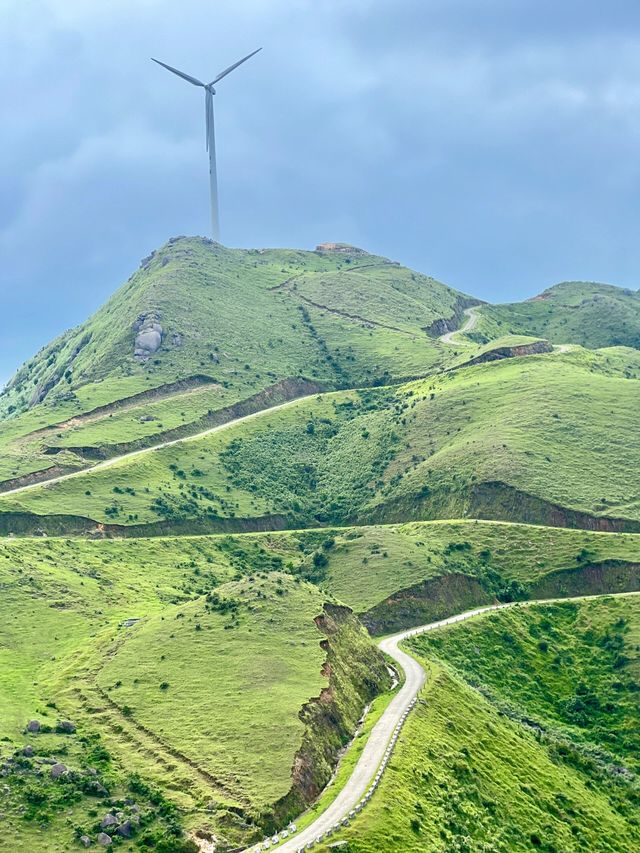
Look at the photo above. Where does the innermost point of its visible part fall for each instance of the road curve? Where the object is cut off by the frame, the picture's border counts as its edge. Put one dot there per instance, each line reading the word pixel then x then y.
pixel 469 324
pixel 368 770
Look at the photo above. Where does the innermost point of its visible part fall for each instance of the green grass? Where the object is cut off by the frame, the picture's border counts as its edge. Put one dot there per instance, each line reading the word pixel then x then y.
pixel 366 566
pixel 230 315
pixel 586 313
pixel 202 696
pixel 558 429
pixel 467 775
pixel 215 684
pixel 571 668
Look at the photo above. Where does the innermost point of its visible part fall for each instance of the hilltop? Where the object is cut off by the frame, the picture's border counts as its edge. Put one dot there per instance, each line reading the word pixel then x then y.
pixel 243 319
pixel 574 312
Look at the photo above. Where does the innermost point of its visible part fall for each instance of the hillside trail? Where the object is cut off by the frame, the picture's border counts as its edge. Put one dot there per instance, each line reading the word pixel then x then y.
pixel 370 766
pixel 115 460
pixel 472 315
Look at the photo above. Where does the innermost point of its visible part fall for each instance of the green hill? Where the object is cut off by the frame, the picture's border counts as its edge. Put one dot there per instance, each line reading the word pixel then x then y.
pixel 544 438
pixel 195 666
pixel 574 312
pixel 200 327
pixel 526 738
pixel 259 459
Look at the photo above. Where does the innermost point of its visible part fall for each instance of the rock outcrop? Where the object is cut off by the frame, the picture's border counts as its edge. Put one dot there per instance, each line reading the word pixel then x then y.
pixel 148 336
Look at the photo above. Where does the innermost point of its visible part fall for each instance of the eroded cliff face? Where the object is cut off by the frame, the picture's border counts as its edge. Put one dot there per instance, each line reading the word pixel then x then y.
pixel 534 348
pixel 357 673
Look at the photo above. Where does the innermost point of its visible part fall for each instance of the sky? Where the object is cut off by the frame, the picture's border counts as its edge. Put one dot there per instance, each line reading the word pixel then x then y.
pixel 493 144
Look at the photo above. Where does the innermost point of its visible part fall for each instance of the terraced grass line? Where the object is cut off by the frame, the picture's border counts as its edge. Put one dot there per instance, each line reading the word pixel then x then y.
pixel 368 771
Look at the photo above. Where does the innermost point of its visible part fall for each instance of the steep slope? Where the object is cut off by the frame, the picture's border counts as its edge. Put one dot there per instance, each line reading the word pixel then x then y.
pixel 592 315
pixel 544 438
pixel 247 317
pixel 196 676
pixel 200 327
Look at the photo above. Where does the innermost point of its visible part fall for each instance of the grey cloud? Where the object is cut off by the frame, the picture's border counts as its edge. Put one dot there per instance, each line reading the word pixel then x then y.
pixel 492 144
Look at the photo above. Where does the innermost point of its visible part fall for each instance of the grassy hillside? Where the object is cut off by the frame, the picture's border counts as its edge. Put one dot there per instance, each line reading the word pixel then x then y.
pixel 538 754
pixel 224 324
pixel 219 310
pixel 576 312
pixel 259 452
pixel 571 668
pixel 545 438
pixel 186 664
pixel 399 576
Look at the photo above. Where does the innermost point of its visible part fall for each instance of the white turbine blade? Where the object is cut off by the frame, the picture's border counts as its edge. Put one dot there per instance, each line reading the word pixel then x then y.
pixel 234 66
pixel 184 76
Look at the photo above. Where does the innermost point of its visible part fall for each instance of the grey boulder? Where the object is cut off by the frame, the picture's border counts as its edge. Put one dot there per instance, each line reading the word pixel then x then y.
pixel 125 829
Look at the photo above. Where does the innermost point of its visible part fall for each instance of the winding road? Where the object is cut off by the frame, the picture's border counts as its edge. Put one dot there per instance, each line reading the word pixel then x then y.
pixel 366 774
pixel 469 324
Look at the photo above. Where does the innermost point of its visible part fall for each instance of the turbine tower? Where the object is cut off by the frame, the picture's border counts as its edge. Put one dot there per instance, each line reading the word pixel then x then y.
pixel 209 92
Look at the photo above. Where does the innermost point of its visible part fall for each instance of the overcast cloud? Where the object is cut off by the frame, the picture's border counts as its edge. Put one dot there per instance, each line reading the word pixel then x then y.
pixel 493 144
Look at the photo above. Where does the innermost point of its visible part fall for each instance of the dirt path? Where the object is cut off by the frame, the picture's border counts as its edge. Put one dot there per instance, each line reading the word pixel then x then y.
pixel 469 324
pixel 372 763
pixel 108 463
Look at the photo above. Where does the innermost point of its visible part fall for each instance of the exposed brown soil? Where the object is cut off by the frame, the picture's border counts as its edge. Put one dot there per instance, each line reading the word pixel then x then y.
pixel 30 524
pixel 280 392
pixel 534 348
pixel 609 576
pixel 425 602
pixel 158 393
pixel 443 325
pixel 34 477
pixel 493 501
pixel 357 673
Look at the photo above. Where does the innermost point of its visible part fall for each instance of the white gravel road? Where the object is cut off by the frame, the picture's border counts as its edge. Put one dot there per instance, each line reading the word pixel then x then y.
pixel 469 324
pixel 367 772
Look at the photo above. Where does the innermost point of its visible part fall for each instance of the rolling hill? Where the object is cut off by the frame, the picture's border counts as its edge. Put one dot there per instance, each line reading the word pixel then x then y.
pixel 248 464
pixel 200 327
pixel 526 738
pixel 574 312
pixel 544 438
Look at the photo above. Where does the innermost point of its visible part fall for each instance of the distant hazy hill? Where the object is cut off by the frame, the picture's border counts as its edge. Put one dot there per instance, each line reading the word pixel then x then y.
pixel 574 312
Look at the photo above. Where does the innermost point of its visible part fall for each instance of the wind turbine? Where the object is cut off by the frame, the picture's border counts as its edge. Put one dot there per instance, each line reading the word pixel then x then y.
pixel 209 92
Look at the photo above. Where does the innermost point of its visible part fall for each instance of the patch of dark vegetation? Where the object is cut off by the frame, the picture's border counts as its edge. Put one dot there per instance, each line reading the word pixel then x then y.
pixel 49 776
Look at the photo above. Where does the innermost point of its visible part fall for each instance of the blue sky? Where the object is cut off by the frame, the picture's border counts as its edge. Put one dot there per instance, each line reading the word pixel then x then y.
pixel 494 144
